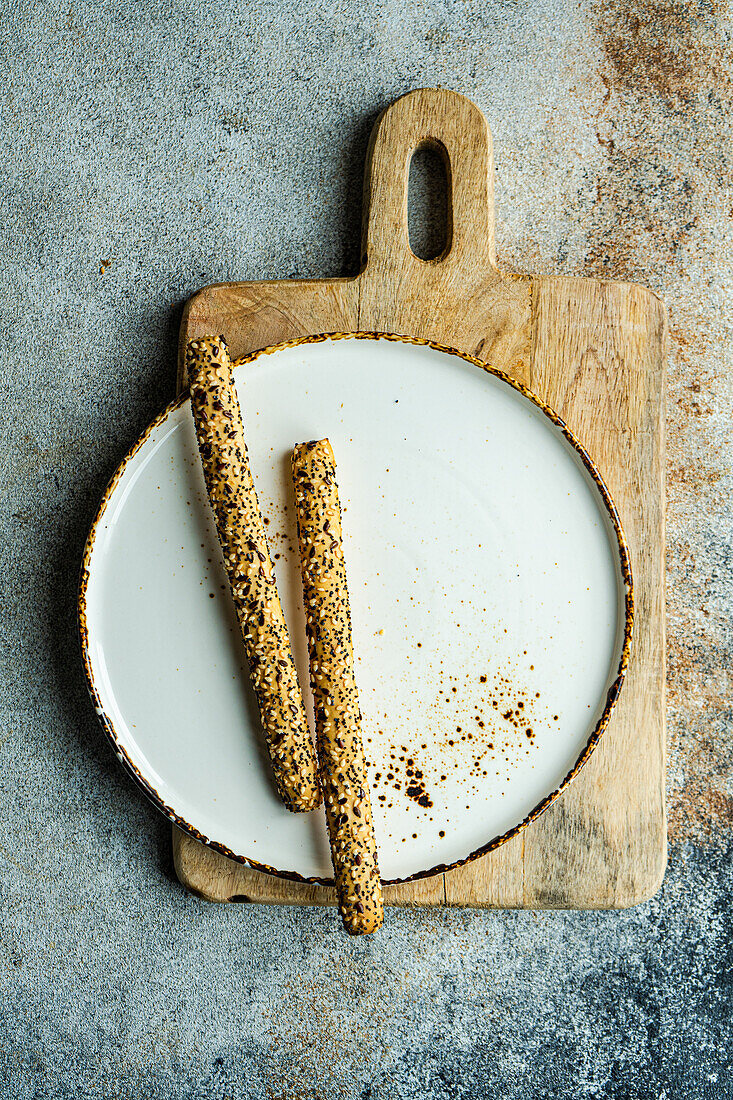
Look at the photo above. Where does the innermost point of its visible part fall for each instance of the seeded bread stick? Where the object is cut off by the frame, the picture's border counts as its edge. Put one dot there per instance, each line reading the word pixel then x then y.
pixel 338 717
pixel 233 499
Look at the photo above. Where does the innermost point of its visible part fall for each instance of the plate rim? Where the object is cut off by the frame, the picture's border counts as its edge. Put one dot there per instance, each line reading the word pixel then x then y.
pixel 611 696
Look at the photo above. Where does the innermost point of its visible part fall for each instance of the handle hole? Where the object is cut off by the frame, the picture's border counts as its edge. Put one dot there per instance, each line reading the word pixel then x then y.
pixel 428 203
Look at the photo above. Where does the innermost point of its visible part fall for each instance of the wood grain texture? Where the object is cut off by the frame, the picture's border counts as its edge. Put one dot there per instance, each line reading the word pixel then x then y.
pixel 595 351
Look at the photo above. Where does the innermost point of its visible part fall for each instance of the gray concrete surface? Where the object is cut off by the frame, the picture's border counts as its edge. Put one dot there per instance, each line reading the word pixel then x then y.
pixel 148 148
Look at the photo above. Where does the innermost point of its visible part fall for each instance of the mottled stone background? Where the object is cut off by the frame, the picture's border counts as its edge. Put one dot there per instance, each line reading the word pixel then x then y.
pixel 148 148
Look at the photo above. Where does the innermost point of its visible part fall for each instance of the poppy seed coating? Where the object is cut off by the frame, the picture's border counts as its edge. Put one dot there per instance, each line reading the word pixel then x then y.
pixel 338 717
pixel 233 498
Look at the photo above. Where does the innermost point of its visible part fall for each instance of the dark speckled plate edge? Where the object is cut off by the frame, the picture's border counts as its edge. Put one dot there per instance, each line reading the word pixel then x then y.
pixel 611 697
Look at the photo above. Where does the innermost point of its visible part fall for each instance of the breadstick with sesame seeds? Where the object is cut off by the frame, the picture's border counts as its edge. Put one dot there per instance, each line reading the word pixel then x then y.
pixel 220 434
pixel 338 717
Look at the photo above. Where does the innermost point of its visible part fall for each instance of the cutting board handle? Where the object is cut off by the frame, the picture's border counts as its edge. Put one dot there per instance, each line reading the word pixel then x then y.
pixel 455 126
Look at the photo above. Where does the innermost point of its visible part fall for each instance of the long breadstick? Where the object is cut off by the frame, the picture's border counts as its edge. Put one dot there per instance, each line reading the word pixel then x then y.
pixel 233 498
pixel 338 717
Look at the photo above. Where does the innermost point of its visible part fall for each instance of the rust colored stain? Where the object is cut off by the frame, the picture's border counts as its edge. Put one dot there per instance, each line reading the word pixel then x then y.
pixel 651 205
pixel 701 712
pixel 310 1047
pixel 660 124
pixel 657 47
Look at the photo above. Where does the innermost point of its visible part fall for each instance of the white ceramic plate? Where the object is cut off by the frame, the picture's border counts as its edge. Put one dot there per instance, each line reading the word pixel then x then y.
pixel 490 591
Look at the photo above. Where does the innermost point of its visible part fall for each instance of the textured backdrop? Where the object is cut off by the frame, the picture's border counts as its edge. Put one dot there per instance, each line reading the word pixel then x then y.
pixel 148 148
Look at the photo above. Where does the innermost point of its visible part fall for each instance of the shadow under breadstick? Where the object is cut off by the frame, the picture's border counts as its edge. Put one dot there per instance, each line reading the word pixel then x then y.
pixel 338 717
pixel 233 498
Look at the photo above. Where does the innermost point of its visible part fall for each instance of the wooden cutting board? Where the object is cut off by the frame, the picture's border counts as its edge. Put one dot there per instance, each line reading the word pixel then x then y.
pixel 594 351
